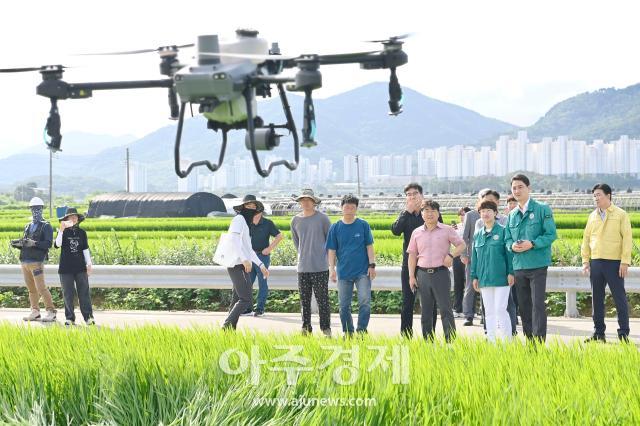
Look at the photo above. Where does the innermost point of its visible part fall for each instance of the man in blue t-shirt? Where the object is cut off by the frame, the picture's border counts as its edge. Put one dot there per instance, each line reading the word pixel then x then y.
pixel 350 245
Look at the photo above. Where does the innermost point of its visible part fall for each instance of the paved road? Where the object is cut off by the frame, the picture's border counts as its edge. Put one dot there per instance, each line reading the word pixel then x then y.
pixel 562 328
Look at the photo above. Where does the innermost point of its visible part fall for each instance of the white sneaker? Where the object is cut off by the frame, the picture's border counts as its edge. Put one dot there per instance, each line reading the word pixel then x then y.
pixel 69 323
pixel 33 316
pixel 90 321
pixel 327 332
pixel 50 316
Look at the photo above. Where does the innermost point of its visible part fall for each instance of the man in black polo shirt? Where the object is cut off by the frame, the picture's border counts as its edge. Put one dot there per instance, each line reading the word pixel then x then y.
pixel 407 222
pixel 261 230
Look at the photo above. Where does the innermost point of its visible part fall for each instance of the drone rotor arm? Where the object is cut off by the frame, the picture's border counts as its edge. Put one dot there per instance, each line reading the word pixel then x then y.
pixel 349 58
pixel 120 85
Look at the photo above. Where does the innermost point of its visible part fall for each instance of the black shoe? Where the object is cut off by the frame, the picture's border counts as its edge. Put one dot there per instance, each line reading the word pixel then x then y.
pixel 468 322
pixel 258 313
pixel 623 338
pixel 595 338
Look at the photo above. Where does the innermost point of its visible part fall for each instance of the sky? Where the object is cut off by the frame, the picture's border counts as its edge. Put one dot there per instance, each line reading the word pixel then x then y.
pixel 510 60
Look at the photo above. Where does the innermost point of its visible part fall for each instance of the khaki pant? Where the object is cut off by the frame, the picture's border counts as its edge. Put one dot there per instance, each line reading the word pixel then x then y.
pixel 34 279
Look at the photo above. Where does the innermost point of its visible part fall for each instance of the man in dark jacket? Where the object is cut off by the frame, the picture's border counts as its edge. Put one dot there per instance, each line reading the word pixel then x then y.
pixel 405 224
pixel 34 249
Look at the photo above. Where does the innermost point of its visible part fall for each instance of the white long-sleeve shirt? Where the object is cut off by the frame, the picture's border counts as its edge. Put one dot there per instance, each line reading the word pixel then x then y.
pixel 241 238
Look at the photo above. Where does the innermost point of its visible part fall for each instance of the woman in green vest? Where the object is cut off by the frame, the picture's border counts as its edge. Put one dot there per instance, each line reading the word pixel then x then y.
pixel 492 271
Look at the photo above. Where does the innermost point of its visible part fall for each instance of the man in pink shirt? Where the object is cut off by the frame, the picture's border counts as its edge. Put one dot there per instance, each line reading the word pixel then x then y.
pixel 429 261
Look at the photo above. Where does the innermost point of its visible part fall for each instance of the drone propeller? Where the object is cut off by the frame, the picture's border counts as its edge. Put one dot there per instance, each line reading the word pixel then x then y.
pixel 391 40
pixel 31 69
pixel 136 52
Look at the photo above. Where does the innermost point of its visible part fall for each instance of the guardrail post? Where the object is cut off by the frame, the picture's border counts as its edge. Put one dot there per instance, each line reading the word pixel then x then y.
pixel 571 304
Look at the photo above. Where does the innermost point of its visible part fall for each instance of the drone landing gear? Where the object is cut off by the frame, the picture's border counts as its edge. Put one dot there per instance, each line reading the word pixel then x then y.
pixel 267 139
pixel 176 150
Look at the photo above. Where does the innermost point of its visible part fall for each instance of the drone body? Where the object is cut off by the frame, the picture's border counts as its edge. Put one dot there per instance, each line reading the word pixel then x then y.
pixel 224 84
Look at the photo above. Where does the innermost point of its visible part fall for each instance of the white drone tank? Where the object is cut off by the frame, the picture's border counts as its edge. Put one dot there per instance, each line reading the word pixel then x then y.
pixel 246 42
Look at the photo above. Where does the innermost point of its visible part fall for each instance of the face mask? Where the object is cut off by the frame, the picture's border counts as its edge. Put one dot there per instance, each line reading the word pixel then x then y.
pixel 248 214
pixel 36 214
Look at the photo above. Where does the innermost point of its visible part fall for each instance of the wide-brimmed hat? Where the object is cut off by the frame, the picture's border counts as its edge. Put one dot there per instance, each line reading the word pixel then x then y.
pixel 70 212
pixel 308 193
pixel 249 199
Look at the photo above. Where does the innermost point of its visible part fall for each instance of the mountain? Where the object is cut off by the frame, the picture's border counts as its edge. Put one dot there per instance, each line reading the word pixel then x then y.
pixel 603 114
pixel 354 122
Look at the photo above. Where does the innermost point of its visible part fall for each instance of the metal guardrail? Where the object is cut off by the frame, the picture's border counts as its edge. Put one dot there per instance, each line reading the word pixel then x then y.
pixel 568 280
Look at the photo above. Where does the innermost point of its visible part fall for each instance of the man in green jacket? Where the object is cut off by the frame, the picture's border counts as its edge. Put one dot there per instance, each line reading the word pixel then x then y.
pixel 529 234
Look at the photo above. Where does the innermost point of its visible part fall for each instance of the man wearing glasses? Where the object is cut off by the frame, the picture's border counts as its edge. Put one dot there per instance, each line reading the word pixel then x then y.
pixel 407 222
pixel 430 258
pixel 606 255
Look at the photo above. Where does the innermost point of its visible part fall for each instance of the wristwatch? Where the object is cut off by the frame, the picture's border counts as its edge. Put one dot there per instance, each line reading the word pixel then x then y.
pixel 372 265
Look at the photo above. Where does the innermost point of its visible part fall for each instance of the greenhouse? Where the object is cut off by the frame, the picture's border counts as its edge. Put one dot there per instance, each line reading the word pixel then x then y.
pixel 160 204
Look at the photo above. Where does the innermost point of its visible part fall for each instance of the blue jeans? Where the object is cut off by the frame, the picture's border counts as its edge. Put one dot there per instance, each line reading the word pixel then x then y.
pixel 345 295
pixel 263 289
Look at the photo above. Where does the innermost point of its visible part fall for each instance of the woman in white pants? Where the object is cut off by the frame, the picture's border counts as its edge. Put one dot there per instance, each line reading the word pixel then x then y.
pixel 492 272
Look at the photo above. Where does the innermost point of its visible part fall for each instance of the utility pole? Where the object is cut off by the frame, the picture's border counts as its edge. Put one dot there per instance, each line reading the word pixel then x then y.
pixel 50 184
pixel 358 172
pixel 127 165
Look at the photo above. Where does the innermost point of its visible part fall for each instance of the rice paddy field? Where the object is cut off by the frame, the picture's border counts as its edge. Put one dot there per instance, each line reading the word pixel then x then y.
pixel 192 241
pixel 168 376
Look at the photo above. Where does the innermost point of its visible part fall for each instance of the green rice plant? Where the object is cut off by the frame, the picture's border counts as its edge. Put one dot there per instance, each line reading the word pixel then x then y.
pixel 163 375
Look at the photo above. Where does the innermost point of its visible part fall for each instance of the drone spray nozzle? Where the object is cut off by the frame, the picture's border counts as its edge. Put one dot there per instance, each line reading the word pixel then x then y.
pixel 52 127
pixel 395 94
pixel 173 104
pixel 308 121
